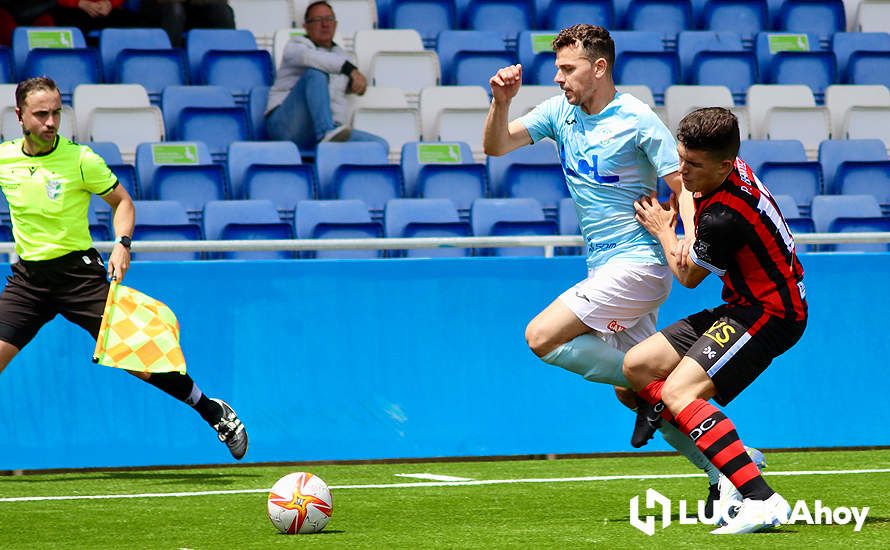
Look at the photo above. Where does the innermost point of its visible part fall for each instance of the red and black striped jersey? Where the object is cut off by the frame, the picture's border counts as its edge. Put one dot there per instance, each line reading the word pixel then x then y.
pixel 742 237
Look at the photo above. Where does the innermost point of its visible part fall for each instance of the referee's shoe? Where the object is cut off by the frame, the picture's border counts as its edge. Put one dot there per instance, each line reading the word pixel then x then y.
pixel 230 430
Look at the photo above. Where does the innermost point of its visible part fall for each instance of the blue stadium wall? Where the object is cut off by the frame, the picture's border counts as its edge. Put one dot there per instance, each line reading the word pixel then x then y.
pixel 414 358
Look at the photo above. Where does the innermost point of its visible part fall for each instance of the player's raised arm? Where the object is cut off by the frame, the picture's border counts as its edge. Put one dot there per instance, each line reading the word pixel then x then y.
pixel 500 137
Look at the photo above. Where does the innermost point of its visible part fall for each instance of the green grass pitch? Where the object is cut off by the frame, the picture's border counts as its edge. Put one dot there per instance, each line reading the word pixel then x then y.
pixel 547 514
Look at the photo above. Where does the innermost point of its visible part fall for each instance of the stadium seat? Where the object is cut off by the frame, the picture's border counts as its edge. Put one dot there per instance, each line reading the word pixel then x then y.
pixel 112 42
pixel 454 41
pixel 801 180
pixel 353 16
pixel 817 70
pixel 256 108
pixel 787 206
pixel 402 61
pixel 827 208
pixel 874 16
pixel 407 218
pixel 868 123
pixel 756 152
pixel 475 68
pixel 270 170
pixel 822 18
pixel 681 100
pixel 427 17
pixel 567 218
pixel 99 227
pixel 840 98
pixel 264 17
pixel 358 170
pixel 845 44
pixel 506 16
pixel 204 113
pixel 237 71
pixel 735 70
pixel 859 225
pixel 246 220
pixel 869 68
pixel 657 70
pixel 537 57
pixel 442 170
pixel 151 156
pixel 767 44
pixel 385 113
pixel 67 67
pixel 107 150
pixel 690 43
pixel 856 167
pixel 542 154
pixel 498 217
pixel 560 14
pixel 746 17
pixel 529 97
pixel 665 16
pixel 89 97
pixel 7 68
pixel 761 98
pixel 25 39
pixel 153 69
pixel 637 41
pixel 200 41
pixel 164 221
pixel 120 113
pixel 337 219
pixel 192 185
pixel 454 113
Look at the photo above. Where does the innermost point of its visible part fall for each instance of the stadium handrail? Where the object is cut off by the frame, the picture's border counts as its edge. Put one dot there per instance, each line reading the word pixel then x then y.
pixel 549 242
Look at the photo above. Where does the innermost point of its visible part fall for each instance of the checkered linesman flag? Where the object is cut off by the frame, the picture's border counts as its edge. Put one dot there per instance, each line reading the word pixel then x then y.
pixel 138 333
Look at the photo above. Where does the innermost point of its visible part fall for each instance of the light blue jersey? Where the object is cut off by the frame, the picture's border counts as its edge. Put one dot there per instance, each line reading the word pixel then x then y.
pixel 610 160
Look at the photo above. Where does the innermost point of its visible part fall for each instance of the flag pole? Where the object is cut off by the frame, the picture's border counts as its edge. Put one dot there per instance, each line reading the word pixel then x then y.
pixel 100 340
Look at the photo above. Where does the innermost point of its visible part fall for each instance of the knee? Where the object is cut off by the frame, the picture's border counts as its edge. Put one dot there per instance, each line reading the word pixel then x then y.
pixel 315 77
pixel 634 368
pixel 538 339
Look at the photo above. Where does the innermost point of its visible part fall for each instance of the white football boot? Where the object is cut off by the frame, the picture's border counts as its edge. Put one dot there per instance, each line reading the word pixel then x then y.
pixel 757 515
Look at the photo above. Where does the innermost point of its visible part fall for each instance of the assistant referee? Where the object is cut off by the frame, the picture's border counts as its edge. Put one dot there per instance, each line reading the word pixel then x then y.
pixel 48 181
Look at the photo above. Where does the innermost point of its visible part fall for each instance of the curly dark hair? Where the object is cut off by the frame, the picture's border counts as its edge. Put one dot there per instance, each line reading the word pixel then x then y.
pixel 595 41
pixel 711 129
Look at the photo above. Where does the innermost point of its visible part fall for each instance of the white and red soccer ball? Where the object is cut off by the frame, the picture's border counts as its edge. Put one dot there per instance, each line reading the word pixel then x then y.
pixel 300 503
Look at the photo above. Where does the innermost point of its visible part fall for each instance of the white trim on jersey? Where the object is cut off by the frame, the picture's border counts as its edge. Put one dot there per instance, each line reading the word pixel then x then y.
pixel 701 263
pixel 730 353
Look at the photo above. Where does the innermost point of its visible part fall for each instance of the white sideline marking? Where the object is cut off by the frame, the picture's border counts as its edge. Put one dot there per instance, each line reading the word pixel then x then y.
pixel 438 484
pixel 436 477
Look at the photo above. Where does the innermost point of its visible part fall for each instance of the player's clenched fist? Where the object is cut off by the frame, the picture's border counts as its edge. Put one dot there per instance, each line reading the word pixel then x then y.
pixel 506 82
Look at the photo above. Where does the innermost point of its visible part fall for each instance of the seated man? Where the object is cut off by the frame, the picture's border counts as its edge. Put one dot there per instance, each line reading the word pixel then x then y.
pixel 741 237
pixel 307 102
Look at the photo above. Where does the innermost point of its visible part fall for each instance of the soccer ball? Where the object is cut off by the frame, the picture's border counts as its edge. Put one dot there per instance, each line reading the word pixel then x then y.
pixel 300 503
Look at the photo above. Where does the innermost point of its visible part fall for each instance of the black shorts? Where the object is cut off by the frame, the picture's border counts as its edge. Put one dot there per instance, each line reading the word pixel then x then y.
pixel 74 285
pixel 733 344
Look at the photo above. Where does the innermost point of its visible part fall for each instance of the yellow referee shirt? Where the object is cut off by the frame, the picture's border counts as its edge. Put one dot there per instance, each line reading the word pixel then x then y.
pixel 49 196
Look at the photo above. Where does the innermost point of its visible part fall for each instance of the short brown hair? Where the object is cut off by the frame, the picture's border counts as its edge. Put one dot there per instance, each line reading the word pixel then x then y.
pixel 313 4
pixel 34 84
pixel 711 129
pixel 595 41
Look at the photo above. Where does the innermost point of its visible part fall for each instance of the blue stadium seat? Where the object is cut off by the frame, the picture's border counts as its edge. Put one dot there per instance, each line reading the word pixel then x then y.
pixel 787 206
pixel 636 41
pixel 149 156
pixel 204 113
pixel 454 41
pixel 801 180
pixel 427 17
pixel 270 170
pixel 474 68
pixel 498 217
pixel 822 18
pixel 40 37
pixel 453 153
pixel 507 16
pixel 735 70
pixel 543 182
pixel 866 67
pixel 237 71
pixel 256 106
pixel 657 70
pixel 246 220
pixel 114 42
pixel 567 218
pixel 108 150
pixel 802 225
pixel 844 44
pixel 757 151
pixel 862 177
pixel 192 185
pixel 337 219
pixel 559 14
pixel 767 44
pixel 164 221
pixel 665 16
pixel 407 218
pixel 859 225
pixel 331 156
pixel 67 67
pixel 827 208
pixel 835 152
pixel 818 70
pixel 542 153
pixel 6 234
pixel 461 184
pixel 537 66
pixel 200 41
pixel 126 176
pixel 153 69
pixel 690 43
pixel 98 216
pixel 746 17
pixel 7 68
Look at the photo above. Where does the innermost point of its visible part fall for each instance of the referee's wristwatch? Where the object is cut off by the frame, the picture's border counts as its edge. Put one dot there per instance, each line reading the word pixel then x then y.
pixel 126 241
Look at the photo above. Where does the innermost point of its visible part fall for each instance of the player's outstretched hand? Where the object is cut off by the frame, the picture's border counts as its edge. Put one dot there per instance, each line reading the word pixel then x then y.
pixel 654 217
pixel 118 262
pixel 505 83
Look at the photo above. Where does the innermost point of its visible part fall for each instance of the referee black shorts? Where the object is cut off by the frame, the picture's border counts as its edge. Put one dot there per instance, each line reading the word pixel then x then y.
pixel 74 285
pixel 733 344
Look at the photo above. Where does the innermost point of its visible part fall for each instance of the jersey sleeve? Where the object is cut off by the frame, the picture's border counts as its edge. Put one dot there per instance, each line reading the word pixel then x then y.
pixel 658 144
pixel 717 238
pixel 540 121
pixel 97 176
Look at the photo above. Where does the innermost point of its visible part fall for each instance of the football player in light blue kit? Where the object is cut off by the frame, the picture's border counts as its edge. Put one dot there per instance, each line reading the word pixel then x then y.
pixel 612 148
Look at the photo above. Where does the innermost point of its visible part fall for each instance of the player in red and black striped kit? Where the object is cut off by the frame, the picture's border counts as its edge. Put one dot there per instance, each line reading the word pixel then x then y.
pixel 741 237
